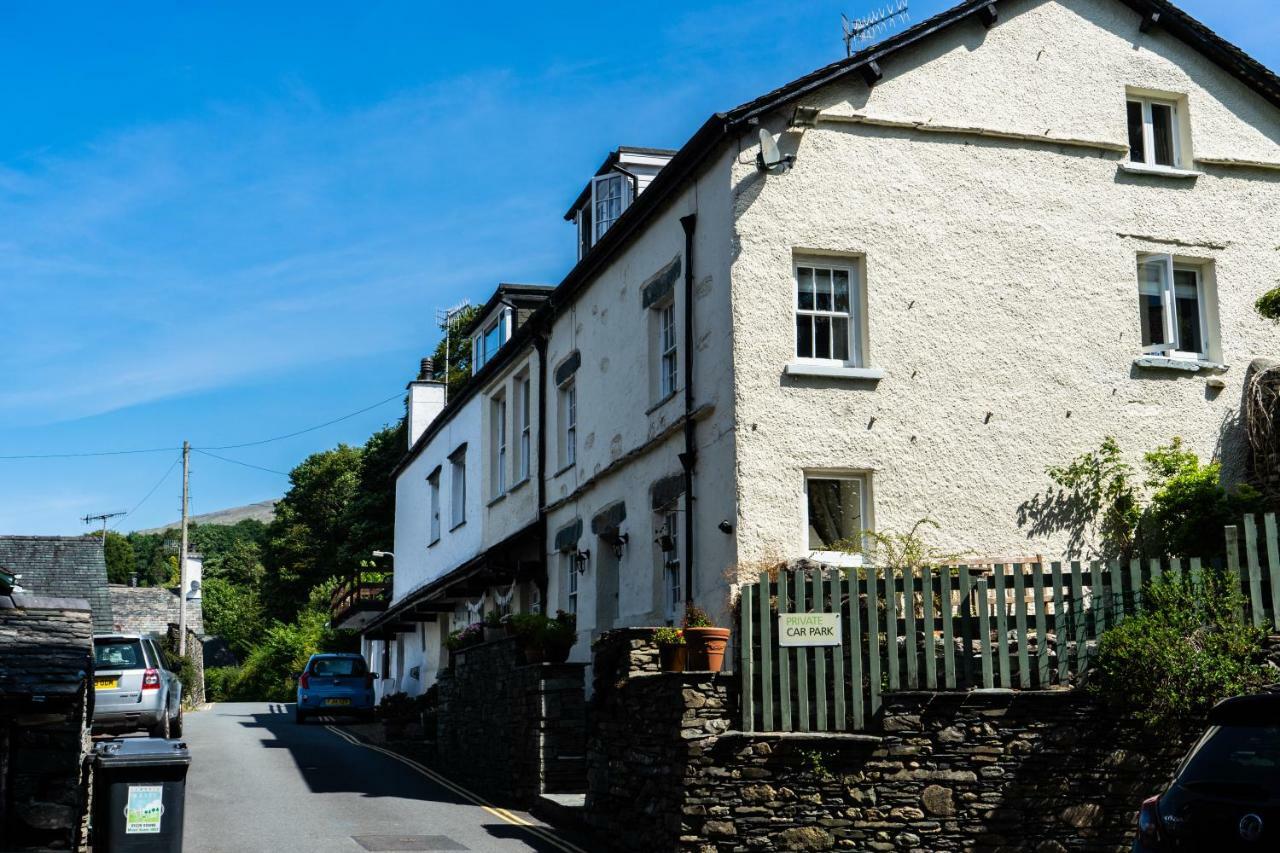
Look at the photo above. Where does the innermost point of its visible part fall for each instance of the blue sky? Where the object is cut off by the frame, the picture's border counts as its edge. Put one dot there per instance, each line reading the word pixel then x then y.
pixel 225 222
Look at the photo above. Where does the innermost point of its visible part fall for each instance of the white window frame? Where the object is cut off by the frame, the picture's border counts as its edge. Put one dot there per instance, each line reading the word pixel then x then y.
pixel 853 316
pixel 600 225
pixel 668 350
pixel 498 411
pixel 458 489
pixel 569 565
pixel 524 405
pixel 1148 131
pixel 672 573
pixel 1168 288
pixel 433 486
pixel 836 558
pixel 569 425
pixel 480 344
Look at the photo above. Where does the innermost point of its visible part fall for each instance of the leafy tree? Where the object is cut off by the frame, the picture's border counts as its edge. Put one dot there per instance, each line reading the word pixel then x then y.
pixel 371 515
pixel 233 611
pixel 1099 485
pixel 121 562
pixel 1190 648
pixel 459 353
pixel 1189 507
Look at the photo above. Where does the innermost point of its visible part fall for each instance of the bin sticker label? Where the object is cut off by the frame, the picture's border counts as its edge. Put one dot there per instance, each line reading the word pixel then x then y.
pixel 142 814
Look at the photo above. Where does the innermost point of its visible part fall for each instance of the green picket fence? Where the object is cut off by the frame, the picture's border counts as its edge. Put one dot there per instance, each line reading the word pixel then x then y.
pixel 1020 625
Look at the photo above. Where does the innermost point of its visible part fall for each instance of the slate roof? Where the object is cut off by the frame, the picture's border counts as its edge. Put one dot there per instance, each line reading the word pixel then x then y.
pixel 61 567
pixel 45 649
pixel 150 610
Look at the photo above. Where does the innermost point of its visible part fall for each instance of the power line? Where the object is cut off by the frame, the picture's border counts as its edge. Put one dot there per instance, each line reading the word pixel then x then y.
pixel 91 453
pixel 396 396
pixel 148 495
pixel 238 462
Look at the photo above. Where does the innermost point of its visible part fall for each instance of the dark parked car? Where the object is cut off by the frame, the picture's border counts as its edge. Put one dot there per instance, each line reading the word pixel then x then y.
pixel 335 684
pixel 1226 793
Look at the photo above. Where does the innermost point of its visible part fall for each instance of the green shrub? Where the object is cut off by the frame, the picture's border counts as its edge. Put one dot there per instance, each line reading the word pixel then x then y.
pixel 1189 648
pixel 669 637
pixel 1189 506
pixel 220 683
pixel 1268 304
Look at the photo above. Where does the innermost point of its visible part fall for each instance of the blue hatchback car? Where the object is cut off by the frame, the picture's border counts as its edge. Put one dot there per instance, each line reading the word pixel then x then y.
pixel 335 684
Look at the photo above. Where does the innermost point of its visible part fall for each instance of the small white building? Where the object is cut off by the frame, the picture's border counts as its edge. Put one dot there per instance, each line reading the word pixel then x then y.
pixel 985 244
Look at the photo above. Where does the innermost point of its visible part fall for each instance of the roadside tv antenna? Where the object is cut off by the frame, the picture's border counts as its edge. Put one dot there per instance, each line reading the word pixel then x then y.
pixel 864 30
pixel 444 319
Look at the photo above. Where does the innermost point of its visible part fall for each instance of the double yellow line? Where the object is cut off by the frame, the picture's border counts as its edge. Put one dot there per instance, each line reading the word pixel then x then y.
pixel 500 813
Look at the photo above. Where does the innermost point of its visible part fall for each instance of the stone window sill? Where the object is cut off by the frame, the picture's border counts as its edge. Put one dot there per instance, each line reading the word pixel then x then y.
pixel 1164 362
pixel 568 467
pixel 495 501
pixel 834 371
pixel 518 484
pixel 662 402
pixel 1159 171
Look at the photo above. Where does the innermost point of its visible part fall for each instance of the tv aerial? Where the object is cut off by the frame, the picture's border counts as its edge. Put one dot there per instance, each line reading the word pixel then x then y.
pixel 866 29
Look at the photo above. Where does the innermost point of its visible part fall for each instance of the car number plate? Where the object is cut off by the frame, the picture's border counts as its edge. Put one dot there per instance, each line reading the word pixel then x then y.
pixel 337 701
pixel 106 683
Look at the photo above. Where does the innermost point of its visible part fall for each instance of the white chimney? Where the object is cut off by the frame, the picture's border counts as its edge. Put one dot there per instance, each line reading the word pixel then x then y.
pixel 195 576
pixel 426 401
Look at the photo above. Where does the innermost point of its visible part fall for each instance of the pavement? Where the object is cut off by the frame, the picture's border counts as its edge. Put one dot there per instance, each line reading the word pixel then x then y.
pixel 261 783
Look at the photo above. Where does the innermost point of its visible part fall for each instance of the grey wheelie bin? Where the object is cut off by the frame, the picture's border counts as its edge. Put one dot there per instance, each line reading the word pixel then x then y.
pixel 140 786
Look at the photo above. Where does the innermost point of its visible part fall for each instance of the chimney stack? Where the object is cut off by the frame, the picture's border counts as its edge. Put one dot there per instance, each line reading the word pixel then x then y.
pixel 426 401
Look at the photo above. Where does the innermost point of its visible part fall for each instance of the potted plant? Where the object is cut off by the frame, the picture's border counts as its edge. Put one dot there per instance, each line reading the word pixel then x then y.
pixel 495 626
pixel 465 638
pixel 559 635
pixel 706 642
pixel 671 649
pixel 530 632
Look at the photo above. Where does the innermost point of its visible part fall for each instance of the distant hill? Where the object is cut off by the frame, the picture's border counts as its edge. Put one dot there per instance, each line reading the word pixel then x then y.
pixel 263 511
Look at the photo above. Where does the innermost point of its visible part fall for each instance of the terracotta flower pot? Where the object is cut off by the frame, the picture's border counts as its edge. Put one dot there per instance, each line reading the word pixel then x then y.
pixel 672 657
pixel 534 654
pixel 706 648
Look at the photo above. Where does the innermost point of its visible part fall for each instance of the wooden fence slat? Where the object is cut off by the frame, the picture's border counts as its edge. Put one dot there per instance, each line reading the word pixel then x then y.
pixel 1020 620
pixel 766 656
pixel 1059 624
pixel 948 632
pixel 1134 600
pixel 966 625
pixel 1042 629
pixel 909 611
pixel 1154 569
pixel 873 640
pixel 855 650
pixel 1175 567
pixel 745 640
pixel 1256 606
pixel 1078 613
pixel 841 719
pixel 1102 600
pixel 1273 564
pixel 802 663
pixel 819 658
pixel 784 661
pixel 1002 624
pixel 930 646
pixel 1233 559
pixel 1197 574
pixel 984 627
pixel 891 627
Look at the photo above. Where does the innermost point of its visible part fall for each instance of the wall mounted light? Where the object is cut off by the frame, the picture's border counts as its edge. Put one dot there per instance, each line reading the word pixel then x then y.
pixel 619 542
pixel 582 558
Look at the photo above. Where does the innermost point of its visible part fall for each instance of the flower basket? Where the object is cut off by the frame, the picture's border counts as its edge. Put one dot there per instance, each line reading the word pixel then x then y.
pixel 706 643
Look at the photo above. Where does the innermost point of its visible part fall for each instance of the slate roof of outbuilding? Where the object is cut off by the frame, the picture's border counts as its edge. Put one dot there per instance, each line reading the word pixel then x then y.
pixel 150 610
pixel 61 567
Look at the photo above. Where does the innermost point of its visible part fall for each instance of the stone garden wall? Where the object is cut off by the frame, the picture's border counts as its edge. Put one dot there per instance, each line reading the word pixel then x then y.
pixel 989 770
pixel 510 729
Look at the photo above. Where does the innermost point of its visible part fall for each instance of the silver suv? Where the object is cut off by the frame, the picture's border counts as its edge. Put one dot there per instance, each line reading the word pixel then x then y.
pixel 133 688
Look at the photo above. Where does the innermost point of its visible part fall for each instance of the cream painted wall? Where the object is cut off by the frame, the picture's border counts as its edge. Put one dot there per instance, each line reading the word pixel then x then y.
pixel 1000 276
pixel 516 508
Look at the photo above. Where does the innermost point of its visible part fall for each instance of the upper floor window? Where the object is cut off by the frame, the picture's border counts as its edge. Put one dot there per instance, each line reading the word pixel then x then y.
pixel 835 515
pixel 609 197
pixel 569 566
pixel 498 460
pixel 667 365
pixel 1153 132
pixel 490 340
pixel 458 486
pixel 1172 307
pixel 433 485
pixel 523 426
pixel 827 322
pixel 568 424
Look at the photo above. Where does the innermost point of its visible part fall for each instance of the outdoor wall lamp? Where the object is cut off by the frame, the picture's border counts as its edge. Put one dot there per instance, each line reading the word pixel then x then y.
pixel 619 542
pixel 582 558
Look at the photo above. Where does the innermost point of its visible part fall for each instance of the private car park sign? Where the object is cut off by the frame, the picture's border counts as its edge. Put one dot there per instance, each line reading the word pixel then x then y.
pixel 808 629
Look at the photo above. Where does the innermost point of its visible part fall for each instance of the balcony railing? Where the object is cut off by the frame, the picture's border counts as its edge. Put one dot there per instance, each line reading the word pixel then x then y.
pixel 359 599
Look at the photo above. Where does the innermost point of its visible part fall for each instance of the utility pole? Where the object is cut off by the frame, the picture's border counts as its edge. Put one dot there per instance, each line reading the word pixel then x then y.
pixel 182 552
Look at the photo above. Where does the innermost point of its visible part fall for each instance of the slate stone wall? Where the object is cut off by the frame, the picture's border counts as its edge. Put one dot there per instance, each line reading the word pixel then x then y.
pixel 45 651
pixel 1046 771
pixel 511 729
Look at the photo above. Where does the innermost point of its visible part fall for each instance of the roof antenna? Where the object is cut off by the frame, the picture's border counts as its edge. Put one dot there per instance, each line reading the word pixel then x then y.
pixel 444 319
pixel 871 26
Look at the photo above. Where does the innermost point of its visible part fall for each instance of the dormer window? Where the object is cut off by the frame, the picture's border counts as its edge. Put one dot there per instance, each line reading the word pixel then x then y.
pixel 610 195
pixel 491 338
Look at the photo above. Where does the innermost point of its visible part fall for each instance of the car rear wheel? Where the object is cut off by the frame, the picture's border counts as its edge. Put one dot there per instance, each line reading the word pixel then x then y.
pixel 175 725
pixel 161 729
pixel 299 716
